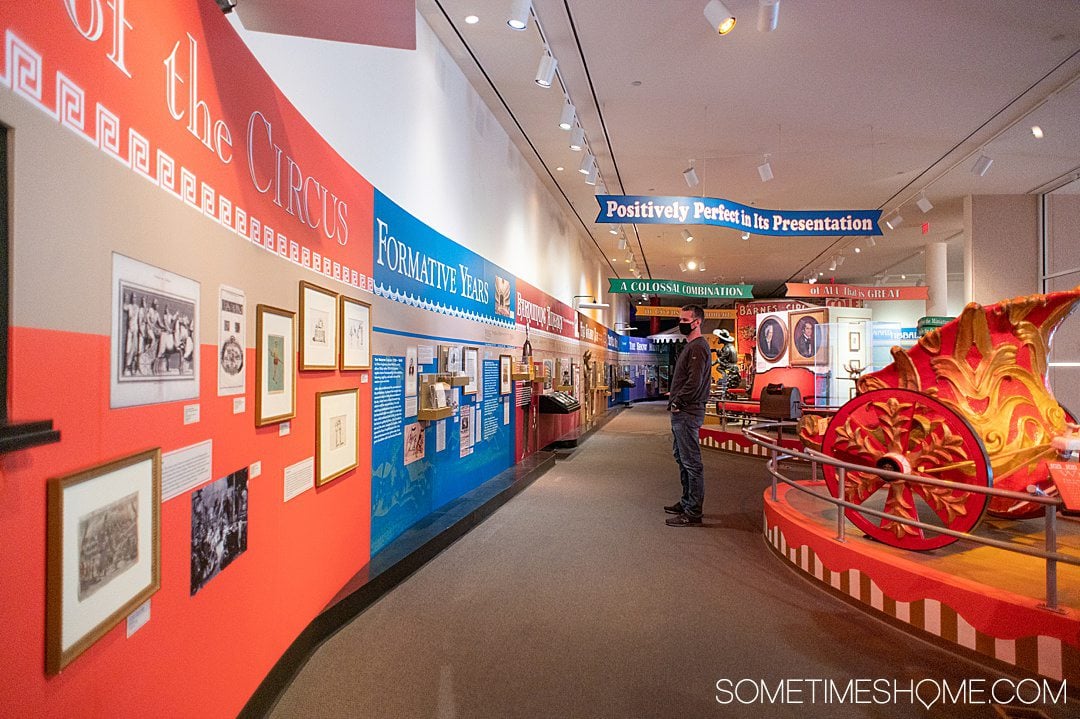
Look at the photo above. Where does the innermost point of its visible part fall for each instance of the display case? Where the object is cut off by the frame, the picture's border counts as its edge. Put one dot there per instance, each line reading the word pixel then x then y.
pixel 558 403
pixel 435 399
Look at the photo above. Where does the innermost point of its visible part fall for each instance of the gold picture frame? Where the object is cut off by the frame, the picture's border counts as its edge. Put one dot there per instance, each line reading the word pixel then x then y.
pixel 337 434
pixel 807 350
pixel 318 327
pixel 354 334
pixel 275 365
pixel 104 551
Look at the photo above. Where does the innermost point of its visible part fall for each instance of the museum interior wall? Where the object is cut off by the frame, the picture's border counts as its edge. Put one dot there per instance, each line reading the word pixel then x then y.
pixel 157 305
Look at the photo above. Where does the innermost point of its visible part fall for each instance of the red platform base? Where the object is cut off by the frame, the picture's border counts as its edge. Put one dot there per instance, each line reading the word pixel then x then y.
pixel 984 600
pixel 728 441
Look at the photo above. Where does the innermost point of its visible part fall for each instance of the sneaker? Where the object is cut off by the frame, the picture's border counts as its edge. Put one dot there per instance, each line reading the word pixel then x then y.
pixel 683 520
pixel 675 508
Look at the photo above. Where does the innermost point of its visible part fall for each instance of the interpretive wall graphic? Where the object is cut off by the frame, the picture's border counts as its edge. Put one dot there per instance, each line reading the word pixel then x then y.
pixel 415 469
pixel 416 265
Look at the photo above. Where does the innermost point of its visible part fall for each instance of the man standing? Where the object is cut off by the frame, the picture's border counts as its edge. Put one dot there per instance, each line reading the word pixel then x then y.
pixel 689 391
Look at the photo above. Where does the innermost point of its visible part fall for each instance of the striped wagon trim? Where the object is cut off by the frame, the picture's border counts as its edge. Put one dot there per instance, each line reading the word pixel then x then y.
pixel 1042 655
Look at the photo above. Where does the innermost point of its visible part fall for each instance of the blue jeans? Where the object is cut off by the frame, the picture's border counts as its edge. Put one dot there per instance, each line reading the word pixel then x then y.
pixel 687 451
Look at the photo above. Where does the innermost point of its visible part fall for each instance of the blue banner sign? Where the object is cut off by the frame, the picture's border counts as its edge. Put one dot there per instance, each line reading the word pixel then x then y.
pixel 416 265
pixel 668 210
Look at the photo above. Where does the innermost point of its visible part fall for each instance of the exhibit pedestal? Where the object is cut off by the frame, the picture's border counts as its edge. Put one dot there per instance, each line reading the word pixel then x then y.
pixel 982 601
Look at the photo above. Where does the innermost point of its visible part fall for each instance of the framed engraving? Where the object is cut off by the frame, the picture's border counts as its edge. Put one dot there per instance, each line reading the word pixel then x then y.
pixel 354 334
pixel 471 359
pixel 154 355
pixel 104 551
pixel 854 341
pixel 337 447
pixel 318 327
pixel 506 384
pixel 275 365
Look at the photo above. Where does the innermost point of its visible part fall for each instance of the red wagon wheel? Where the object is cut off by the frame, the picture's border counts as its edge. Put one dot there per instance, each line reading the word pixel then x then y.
pixel 909 432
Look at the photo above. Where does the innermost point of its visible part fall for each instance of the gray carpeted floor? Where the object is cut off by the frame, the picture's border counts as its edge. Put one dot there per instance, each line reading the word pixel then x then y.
pixel 575 600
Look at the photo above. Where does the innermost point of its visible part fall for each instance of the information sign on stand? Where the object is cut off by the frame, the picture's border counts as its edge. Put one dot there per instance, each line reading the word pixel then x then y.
pixel 1066 476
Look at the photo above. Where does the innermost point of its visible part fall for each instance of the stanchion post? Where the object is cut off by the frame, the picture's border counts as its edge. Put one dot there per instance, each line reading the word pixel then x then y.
pixel 1051 563
pixel 841 530
pixel 773 466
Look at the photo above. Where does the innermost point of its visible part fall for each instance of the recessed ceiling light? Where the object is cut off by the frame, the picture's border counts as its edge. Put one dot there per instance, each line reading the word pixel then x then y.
pixel 1037 132
pixel 559 168
pixel 691 265
pixel 471 19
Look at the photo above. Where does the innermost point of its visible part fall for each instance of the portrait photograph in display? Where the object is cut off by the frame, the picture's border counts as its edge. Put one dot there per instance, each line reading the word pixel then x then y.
pixel 219 524
pixel 154 355
pixel 506 384
pixel 355 334
pixel 318 327
pixel 809 340
pixel 772 338
pixel 104 551
pixel 414 442
pixel 410 372
pixel 471 360
pixel 337 448
pixel 275 365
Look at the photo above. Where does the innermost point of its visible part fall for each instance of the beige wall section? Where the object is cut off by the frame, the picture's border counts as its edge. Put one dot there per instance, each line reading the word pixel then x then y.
pixel 1062 233
pixel 74 206
pixel 1001 247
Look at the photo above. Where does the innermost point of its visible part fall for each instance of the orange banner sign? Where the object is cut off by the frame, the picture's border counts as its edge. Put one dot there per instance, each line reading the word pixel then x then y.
pixel 853 292
pixel 711 313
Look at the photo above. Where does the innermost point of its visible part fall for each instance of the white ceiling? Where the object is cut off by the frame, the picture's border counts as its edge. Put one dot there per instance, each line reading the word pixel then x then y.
pixel 860 104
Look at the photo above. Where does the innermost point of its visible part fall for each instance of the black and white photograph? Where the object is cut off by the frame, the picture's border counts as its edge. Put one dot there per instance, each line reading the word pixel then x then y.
pixel 410 372
pixel 155 318
pixel 232 334
pixel 108 543
pixel 219 523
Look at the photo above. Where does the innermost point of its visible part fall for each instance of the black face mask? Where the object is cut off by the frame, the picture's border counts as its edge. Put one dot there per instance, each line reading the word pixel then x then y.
pixel 686 327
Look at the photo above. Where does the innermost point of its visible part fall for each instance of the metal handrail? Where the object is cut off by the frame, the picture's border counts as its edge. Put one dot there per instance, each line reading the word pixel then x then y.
pixel 778 452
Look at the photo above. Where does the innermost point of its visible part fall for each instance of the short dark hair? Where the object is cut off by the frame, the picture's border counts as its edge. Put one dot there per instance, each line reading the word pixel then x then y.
pixel 699 313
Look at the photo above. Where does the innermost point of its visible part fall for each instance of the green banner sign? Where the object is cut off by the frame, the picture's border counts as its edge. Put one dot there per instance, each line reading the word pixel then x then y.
pixel 683 289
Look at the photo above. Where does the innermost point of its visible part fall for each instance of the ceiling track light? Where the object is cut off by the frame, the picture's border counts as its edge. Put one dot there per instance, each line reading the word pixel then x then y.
pixel 746 235
pixel 923 203
pixel 1037 132
pixel 870 242
pixel 701 267
pixel 894 221
pixel 588 162
pixel 768 15
pixel 691 176
pixel 622 243
pixel 615 229
pixel 593 175
pixel 682 266
pixel 840 259
pixel 982 165
pixel 545 71
pixel 519 14
pixel 577 139
pixel 832 265
pixel 764 170
pixel 686 235
pixel 569 113
pixel 721 20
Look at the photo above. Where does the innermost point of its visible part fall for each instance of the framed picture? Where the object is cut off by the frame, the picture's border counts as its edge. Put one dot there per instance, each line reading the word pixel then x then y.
pixel 855 364
pixel 411 371
pixel 854 340
pixel 275 365
pixel 453 360
pixel 104 551
pixel 471 359
pixel 809 340
pixel 337 448
pixel 771 338
pixel 354 334
pixel 154 352
pixel 506 385
pixel 318 327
